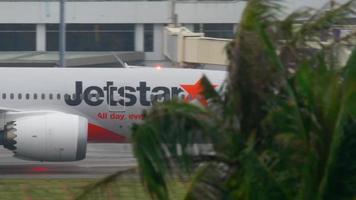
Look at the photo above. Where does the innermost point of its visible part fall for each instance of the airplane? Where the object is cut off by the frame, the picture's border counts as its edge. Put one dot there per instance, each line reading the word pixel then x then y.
pixel 50 114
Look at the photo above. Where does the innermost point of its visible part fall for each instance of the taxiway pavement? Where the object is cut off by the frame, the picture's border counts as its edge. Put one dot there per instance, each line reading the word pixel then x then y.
pixel 101 160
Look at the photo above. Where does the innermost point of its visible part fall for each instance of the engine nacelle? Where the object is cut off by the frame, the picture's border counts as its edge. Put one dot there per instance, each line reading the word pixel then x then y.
pixel 48 136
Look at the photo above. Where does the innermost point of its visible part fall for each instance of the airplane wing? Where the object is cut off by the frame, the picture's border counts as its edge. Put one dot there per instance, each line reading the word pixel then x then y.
pixel 4 109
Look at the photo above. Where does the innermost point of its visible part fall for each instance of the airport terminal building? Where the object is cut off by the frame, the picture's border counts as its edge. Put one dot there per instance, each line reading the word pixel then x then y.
pixel 114 25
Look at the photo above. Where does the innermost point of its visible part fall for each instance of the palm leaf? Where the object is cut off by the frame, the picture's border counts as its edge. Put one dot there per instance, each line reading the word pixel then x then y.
pixel 165 138
pixel 92 189
pixel 342 179
pixel 261 11
pixel 208 182
pixel 210 93
pixel 252 176
pixel 323 20
pixel 288 26
pixel 339 136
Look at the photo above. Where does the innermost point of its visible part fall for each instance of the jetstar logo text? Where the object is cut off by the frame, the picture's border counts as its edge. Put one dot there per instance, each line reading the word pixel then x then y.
pixel 143 94
pixel 124 96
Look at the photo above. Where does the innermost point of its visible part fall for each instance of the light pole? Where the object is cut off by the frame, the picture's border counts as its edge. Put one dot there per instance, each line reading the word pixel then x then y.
pixel 174 15
pixel 62 34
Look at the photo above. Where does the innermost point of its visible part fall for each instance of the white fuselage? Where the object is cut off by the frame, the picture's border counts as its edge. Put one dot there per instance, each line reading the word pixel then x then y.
pixel 112 98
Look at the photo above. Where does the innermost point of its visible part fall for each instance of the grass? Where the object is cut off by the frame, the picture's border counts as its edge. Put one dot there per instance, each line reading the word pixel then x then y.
pixel 64 189
pixel 42 189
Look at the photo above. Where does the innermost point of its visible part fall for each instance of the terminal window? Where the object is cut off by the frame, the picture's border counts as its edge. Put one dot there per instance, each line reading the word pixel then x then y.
pixel 148 37
pixel 216 30
pixel 17 37
pixel 93 37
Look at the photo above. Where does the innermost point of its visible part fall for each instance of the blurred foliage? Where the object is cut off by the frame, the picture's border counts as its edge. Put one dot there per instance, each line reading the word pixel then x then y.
pixel 125 184
pixel 42 189
pixel 283 128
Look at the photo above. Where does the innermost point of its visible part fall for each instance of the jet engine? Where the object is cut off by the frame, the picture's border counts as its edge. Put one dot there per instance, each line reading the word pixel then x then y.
pixel 48 136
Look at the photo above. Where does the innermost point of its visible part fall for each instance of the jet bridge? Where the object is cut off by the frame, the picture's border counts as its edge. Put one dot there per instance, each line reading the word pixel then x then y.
pixel 186 48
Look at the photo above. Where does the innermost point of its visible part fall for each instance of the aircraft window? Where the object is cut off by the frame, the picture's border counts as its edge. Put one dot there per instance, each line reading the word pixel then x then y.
pixel 74 96
pixel 27 96
pixel 12 96
pixel 59 96
pixel 19 96
pixel 67 96
pixel 50 96
pixel 43 96
pixel 3 95
pixel 34 96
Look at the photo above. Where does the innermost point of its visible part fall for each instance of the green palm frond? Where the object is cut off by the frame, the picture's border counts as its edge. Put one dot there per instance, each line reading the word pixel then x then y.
pixel 299 34
pixel 169 132
pixel 210 92
pixel 258 176
pixel 276 131
pixel 288 26
pixel 207 182
pixel 91 190
pixel 342 179
pixel 323 20
pixel 339 136
pixel 260 11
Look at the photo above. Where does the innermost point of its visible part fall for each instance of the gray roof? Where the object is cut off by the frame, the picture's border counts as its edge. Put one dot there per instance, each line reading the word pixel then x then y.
pixel 73 59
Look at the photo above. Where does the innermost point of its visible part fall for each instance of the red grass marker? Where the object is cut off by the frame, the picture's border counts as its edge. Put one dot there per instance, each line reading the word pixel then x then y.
pixel 39 169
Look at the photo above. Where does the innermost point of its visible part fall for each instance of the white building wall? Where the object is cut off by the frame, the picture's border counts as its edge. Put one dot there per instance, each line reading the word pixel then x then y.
pixel 40 37
pixel 209 12
pixel 85 12
pixel 139 40
pixel 133 11
pixel 119 12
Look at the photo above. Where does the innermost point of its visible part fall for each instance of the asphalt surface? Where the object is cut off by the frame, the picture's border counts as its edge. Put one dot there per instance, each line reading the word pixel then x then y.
pixel 101 160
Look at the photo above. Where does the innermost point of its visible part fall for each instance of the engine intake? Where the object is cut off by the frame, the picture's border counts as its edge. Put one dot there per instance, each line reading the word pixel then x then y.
pixel 46 136
pixel 8 136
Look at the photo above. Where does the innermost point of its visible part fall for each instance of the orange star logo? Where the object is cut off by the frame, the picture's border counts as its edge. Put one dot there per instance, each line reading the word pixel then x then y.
pixel 195 91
